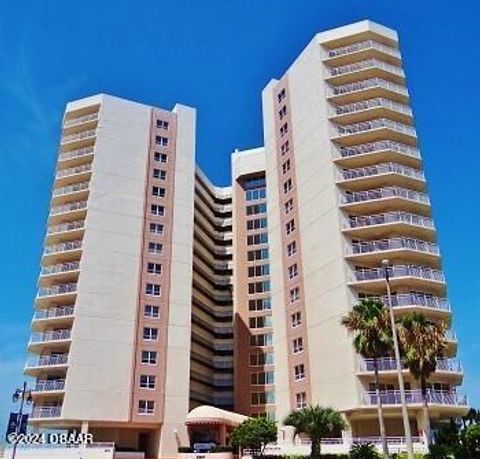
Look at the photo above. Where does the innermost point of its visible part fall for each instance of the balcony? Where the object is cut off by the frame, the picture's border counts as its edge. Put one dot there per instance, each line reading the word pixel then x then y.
pixel 396 249
pixel 362 70
pixel 379 175
pixel 88 118
pixel 55 339
pixel 389 364
pixel 61 272
pixel 45 412
pixel 62 231
pixel 371 108
pixel 367 49
pixel 377 152
pixel 51 363
pixel 409 277
pixel 72 211
pixel 49 385
pixel 75 192
pixel 72 175
pixel 63 252
pixel 379 225
pixel 367 89
pixel 432 306
pixel 58 316
pixel 62 292
pixel 70 158
pixel 414 397
pixel 78 137
pixel 373 130
pixel 385 199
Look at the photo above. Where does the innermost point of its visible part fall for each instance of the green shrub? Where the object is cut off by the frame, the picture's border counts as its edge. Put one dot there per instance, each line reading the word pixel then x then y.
pixel 364 451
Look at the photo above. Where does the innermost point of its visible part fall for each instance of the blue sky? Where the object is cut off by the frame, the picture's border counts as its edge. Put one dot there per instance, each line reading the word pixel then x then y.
pixel 217 55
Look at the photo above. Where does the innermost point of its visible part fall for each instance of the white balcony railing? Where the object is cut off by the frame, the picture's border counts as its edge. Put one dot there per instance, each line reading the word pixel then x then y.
pixel 81 119
pixel 46 385
pixel 57 290
pixel 78 136
pixel 421 272
pixel 397 243
pixel 366 64
pixel 417 299
pixel 55 335
pixel 64 227
pixel 437 397
pixel 379 169
pixel 363 85
pixel 361 46
pixel 62 247
pixel 72 154
pixel 382 193
pixel 378 102
pixel 362 221
pixel 73 170
pixel 48 361
pixel 70 207
pixel 52 313
pixel 60 268
pixel 70 189
pixel 381 123
pixel 42 412
pixel 381 145
pixel 390 364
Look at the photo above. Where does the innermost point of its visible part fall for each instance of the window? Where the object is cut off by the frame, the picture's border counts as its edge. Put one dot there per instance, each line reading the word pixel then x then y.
pixel 253 255
pixel 282 112
pixel 155 248
pixel 146 407
pixel 285 148
pixel 292 271
pixel 260 322
pixel 261 358
pixel 158 191
pixel 259 193
pixel 259 287
pixel 150 334
pixel 258 223
pixel 149 357
pixel 288 206
pixel 265 339
pixel 283 129
pixel 287 186
pixel 254 182
pixel 290 226
pixel 301 400
pixel 292 248
pixel 151 311
pixel 155 209
pixel 162 141
pixel 299 372
pixel 294 294
pixel 259 270
pixel 281 95
pixel 297 345
pixel 159 174
pixel 260 304
pixel 262 398
pixel 257 209
pixel 296 319
pixel 260 238
pixel 147 381
pixel 154 268
pixel 152 289
pixel 286 166
pixel 156 228
pixel 263 377
pixel 160 157
pixel 161 124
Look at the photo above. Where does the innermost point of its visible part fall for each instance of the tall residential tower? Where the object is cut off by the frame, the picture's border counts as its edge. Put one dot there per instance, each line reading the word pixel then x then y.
pixel 160 292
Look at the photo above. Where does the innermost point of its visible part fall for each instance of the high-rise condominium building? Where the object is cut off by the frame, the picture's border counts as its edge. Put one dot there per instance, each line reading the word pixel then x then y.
pixel 160 292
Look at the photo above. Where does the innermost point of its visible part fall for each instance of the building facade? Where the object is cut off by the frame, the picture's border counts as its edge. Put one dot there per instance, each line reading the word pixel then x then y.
pixel 160 292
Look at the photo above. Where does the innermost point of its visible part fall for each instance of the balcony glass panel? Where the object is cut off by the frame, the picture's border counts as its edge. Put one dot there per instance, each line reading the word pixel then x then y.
pixel 393 244
pixel 382 123
pixel 366 64
pixel 367 84
pixel 360 221
pixel 387 192
pixel 378 169
pixel 365 274
pixel 381 145
pixel 360 46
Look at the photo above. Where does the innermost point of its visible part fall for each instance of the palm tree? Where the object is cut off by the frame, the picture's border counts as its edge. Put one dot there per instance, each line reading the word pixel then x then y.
pixel 422 343
pixel 317 422
pixel 370 323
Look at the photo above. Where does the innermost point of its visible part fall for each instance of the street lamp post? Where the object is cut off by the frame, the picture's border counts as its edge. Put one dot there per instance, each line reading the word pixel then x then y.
pixel 25 396
pixel 406 422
